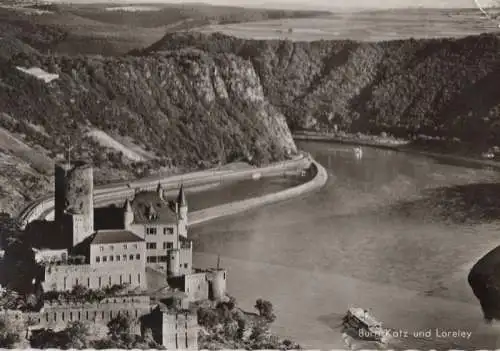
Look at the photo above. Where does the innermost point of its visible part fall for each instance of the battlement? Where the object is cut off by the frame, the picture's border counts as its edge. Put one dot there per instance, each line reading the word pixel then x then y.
pixel 143 300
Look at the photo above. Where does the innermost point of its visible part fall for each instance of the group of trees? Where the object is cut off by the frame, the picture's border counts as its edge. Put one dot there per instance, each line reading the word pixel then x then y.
pixel 227 326
pixel 77 335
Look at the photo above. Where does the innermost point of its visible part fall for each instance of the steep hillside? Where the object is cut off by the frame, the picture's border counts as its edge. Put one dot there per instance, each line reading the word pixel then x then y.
pixel 188 109
pixel 436 87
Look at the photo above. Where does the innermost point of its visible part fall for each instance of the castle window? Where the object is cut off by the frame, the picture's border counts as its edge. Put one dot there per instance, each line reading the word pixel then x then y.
pixel 130 278
pixel 87 315
pixel 109 280
pixel 118 257
pixel 88 282
pixel 138 257
pixel 121 279
pixel 99 281
pixel 139 278
pixel 151 230
pixel 185 265
pixel 98 259
pixel 79 315
pixel 102 314
pixel 168 230
pixel 125 246
pixel 71 316
pixel 101 248
pixel 131 257
pixel 124 257
pixel 151 246
pixel 162 258
pixel 62 316
pixel 55 316
pixel 47 317
pixel 224 275
pixel 170 245
pixel 111 258
pixel 151 259
pixel 76 281
pixel 104 258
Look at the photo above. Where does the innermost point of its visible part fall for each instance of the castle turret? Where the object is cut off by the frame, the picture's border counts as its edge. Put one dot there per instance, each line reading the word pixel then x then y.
pixel 128 214
pixel 182 212
pixel 173 263
pixel 74 201
pixel 218 284
pixel 182 204
pixel 159 190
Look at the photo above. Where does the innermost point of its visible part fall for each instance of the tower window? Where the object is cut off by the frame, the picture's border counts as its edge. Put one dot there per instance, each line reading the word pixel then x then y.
pixel 111 258
pixel 151 230
pixel 168 230
pixel 151 246
pixel 131 257
pixel 118 257
pixel 185 265
pixel 98 259
pixel 125 246
pixel 138 257
pixel 104 258
pixel 124 257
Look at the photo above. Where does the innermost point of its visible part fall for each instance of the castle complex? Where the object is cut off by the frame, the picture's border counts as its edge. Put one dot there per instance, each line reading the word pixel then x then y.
pixel 152 238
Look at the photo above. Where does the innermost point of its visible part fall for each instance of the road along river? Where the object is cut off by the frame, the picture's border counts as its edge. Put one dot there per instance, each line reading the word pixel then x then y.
pixel 392 232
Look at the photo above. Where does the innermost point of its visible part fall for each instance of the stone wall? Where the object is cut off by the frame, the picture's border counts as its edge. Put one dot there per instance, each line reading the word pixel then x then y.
pixel 65 277
pixel 319 180
pixel 180 331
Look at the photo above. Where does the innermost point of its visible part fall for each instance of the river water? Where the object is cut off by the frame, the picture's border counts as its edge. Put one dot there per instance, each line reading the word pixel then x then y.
pixel 392 232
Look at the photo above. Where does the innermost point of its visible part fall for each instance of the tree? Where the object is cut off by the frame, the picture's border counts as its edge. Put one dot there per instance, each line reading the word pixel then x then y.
pixel 75 336
pixel 265 309
pixel 119 327
pixel 8 338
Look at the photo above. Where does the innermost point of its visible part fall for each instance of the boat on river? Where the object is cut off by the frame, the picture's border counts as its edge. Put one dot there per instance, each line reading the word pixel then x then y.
pixel 364 325
pixel 358 152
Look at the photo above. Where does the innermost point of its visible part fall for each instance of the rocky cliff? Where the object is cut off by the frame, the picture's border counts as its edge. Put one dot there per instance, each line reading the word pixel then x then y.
pixel 178 109
pixel 437 87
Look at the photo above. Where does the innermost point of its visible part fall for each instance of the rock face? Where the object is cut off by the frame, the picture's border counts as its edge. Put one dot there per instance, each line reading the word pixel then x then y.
pixel 434 87
pixel 484 279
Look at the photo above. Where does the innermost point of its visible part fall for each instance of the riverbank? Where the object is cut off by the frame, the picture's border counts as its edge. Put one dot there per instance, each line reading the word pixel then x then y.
pixel 319 179
pixel 400 145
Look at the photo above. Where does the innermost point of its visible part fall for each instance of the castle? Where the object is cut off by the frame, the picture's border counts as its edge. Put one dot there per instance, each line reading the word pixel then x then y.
pixel 153 237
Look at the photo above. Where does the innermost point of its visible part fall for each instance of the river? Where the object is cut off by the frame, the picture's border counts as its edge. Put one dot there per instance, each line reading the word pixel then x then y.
pixel 392 232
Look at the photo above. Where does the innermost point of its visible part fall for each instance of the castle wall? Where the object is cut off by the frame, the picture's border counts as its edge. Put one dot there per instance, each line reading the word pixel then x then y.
pixel 55 315
pixel 65 277
pixel 196 286
pixel 130 254
pixel 180 331
pixel 164 239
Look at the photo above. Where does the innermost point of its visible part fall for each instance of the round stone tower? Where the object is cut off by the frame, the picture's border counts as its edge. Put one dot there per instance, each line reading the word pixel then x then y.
pixel 74 200
pixel 218 284
pixel 173 262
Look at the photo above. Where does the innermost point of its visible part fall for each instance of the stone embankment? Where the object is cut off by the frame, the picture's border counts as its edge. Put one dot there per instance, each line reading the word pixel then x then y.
pixel 43 208
pixel 319 180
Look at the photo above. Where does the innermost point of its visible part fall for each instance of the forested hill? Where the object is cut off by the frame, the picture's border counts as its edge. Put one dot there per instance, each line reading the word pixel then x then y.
pixel 437 87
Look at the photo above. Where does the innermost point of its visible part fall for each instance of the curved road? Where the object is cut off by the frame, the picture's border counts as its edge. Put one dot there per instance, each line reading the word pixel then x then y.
pixel 43 208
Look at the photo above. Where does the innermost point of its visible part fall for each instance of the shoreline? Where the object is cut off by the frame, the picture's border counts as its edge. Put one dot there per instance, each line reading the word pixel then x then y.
pixel 401 147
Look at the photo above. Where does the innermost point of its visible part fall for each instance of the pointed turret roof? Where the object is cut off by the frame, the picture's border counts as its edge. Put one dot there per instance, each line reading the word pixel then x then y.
pixel 159 191
pixel 181 198
pixel 127 206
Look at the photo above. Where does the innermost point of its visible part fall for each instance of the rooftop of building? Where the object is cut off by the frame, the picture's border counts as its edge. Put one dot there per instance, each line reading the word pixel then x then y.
pixel 112 236
pixel 148 207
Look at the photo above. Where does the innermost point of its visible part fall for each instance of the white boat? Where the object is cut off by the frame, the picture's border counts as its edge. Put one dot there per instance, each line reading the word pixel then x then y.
pixel 488 155
pixel 358 152
pixel 366 326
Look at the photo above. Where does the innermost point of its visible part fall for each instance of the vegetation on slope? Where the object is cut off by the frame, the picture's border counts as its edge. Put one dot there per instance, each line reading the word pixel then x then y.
pixel 435 87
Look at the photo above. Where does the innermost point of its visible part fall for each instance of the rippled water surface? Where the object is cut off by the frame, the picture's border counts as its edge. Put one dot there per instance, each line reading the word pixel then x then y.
pixel 391 232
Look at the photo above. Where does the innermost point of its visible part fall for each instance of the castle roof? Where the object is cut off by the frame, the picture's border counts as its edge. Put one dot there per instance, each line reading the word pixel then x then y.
pixel 114 236
pixel 146 203
pixel 181 198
